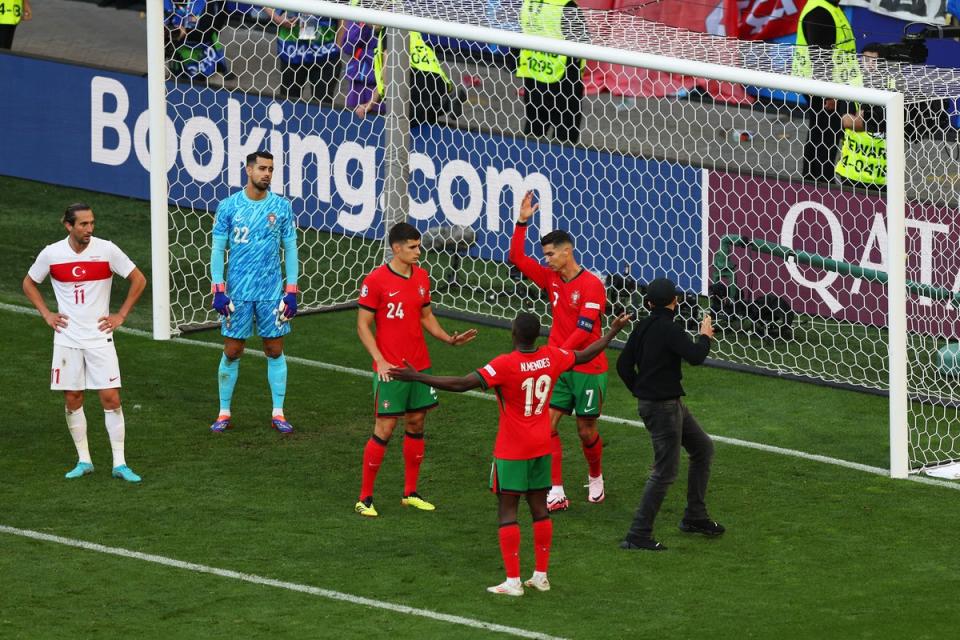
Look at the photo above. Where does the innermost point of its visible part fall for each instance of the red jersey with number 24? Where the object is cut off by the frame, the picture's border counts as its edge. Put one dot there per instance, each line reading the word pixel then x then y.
pixel 523 382
pixel 397 302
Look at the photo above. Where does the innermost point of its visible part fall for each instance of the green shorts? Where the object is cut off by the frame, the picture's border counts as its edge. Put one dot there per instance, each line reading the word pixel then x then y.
pixel 397 397
pixel 520 476
pixel 582 393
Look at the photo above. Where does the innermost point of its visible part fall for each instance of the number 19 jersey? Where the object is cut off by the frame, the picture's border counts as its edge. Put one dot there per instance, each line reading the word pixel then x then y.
pixel 523 382
pixel 397 302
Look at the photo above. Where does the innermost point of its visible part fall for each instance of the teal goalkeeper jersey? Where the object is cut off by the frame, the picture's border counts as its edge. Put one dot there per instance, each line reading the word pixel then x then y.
pixel 255 232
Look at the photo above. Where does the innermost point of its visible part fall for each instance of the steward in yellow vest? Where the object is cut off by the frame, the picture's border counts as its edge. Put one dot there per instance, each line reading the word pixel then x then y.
pixel 553 84
pixel 826 49
pixel 431 92
pixel 11 13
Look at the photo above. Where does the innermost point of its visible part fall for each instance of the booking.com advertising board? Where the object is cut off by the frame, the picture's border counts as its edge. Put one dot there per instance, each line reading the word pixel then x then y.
pixel 87 128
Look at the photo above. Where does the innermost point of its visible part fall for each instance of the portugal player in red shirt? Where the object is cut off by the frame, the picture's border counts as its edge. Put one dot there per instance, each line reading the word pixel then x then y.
pixel 523 381
pixel 577 302
pixel 395 300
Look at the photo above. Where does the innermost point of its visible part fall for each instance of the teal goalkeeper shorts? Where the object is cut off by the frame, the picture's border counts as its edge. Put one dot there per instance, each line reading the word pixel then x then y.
pixel 239 325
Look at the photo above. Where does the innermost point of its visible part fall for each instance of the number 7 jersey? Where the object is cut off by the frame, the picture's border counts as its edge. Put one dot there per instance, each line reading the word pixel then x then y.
pixel 397 303
pixel 523 382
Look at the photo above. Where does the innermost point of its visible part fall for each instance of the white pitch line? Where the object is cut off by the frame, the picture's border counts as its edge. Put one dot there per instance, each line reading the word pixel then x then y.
pixel 279 584
pixel 737 442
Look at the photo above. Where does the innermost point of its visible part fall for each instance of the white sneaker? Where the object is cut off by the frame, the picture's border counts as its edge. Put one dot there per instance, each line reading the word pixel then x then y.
pixel 594 489
pixel 540 583
pixel 557 500
pixel 505 588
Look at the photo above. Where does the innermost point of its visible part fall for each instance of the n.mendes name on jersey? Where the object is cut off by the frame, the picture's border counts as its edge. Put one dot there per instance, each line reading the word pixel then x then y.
pixel 255 231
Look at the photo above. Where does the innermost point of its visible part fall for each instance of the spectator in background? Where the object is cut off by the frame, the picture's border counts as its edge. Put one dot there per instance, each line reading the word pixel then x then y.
pixel 431 92
pixel 358 42
pixel 553 85
pixel 308 54
pixel 193 46
pixel 11 13
pixel 823 25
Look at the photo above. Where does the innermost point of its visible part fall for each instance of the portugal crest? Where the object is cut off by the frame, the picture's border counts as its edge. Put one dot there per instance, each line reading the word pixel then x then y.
pixel 423 292
pixel 271 218
pixel 575 298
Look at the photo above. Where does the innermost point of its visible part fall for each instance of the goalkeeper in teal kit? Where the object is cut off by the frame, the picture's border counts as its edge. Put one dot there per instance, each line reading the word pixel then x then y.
pixel 255 225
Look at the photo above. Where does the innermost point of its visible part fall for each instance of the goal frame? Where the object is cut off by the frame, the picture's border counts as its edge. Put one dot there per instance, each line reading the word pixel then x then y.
pixel 891 101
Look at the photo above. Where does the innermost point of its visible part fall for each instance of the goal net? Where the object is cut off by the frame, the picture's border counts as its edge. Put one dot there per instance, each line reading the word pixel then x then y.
pixel 665 153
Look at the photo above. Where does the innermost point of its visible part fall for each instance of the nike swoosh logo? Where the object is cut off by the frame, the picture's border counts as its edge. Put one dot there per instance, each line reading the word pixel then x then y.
pixel 112 379
pixel 77 286
pixel 393 294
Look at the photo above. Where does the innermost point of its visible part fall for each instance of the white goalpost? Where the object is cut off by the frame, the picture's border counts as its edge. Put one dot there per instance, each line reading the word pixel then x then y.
pixel 692 167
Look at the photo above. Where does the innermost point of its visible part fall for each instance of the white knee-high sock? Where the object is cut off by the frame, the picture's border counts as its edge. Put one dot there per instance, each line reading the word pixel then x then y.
pixel 77 424
pixel 113 419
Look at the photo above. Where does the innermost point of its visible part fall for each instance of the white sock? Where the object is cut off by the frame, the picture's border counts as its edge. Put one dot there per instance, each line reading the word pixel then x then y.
pixel 513 582
pixel 278 412
pixel 557 489
pixel 224 413
pixel 539 575
pixel 113 419
pixel 77 424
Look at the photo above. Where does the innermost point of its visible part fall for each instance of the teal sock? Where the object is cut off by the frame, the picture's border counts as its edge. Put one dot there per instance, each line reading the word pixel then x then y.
pixel 227 380
pixel 277 377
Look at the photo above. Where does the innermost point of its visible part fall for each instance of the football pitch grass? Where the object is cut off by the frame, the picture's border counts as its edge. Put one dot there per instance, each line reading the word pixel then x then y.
pixel 812 549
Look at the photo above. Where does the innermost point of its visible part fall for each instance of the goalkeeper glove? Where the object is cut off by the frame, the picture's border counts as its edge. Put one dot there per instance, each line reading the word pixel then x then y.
pixel 221 302
pixel 290 302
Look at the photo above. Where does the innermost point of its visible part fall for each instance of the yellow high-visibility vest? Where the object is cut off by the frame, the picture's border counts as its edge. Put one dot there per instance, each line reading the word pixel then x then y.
pixel 542 18
pixel 422 58
pixel 863 157
pixel 11 11
pixel 846 68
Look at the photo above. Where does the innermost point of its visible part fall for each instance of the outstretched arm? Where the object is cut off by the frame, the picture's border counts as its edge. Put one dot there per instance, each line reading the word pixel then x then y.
pixel 592 351
pixel 432 325
pixel 445 383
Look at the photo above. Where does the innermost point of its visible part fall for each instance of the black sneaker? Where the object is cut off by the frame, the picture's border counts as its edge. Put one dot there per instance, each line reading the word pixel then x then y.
pixel 706 527
pixel 644 544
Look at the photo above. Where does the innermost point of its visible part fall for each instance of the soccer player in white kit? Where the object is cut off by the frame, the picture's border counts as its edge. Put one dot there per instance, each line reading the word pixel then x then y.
pixel 81 269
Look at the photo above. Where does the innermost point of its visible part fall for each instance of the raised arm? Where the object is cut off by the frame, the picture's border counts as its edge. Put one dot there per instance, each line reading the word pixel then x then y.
pixel 445 383
pixel 518 256
pixel 592 351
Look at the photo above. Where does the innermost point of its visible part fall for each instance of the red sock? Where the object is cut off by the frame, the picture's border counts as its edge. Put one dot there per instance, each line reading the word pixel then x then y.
pixel 542 539
pixel 413 446
pixel 556 468
pixel 510 548
pixel 593 452
pixel 372 459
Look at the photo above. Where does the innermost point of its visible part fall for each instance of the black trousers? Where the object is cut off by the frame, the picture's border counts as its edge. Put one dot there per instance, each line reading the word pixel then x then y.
pixel 6 35
pixel 671 427
pixel 823 141
pixel 321 76
pixel 555 105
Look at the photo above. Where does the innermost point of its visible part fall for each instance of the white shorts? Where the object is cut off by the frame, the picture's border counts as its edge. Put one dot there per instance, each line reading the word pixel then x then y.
pixel 79 369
